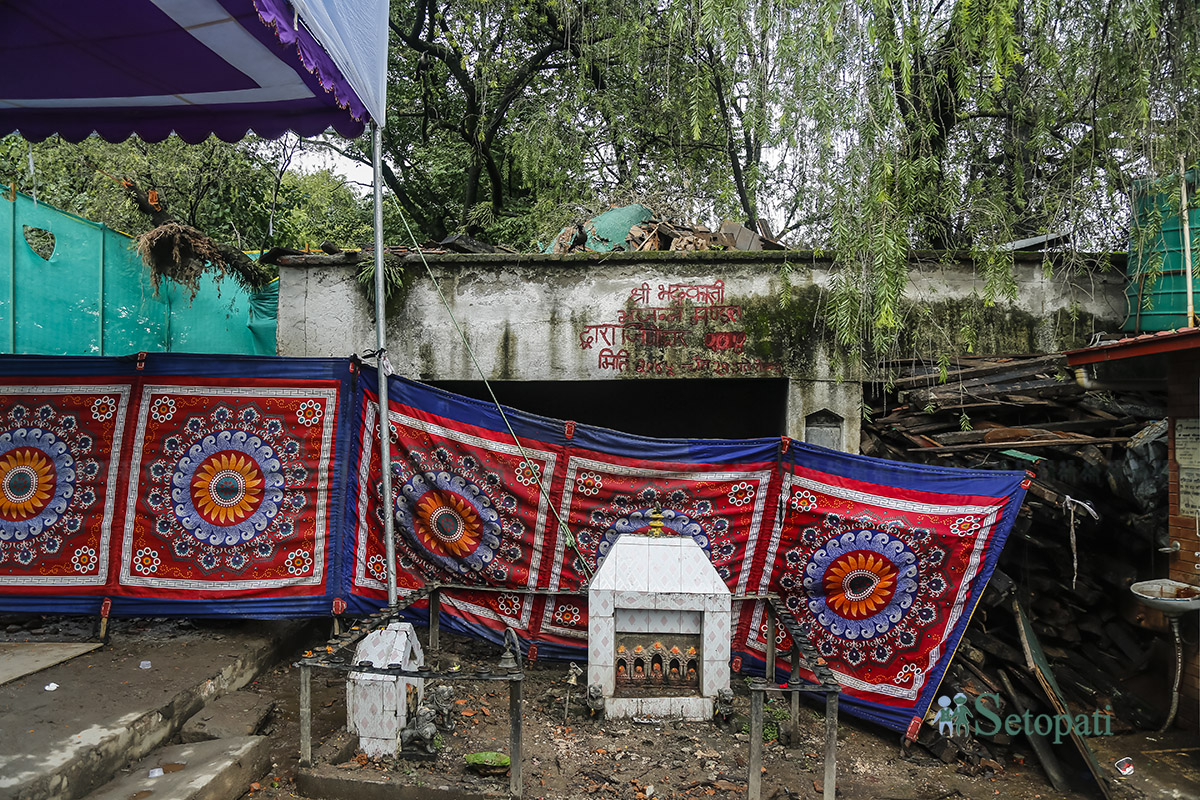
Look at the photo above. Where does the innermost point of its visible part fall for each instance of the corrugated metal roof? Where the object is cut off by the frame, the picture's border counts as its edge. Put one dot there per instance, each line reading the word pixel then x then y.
pixel 1134 346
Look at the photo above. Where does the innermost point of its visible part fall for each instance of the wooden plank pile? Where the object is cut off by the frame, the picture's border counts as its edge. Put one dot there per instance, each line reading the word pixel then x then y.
pixel 662 235
pixel 1098 448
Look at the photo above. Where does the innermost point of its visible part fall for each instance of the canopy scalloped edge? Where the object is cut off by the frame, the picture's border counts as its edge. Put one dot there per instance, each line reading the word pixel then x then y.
pixel 273 14
pixel 346 114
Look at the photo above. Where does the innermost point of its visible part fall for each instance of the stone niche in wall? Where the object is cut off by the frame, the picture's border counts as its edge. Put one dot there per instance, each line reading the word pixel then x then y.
pixel 659 629
pixel 824 429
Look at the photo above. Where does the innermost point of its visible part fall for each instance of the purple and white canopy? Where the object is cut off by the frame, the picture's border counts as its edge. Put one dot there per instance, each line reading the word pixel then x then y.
pixel 192 67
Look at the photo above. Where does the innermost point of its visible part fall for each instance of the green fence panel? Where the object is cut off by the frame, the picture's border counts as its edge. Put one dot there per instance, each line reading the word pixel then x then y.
pixel 94 296
pixel 8 218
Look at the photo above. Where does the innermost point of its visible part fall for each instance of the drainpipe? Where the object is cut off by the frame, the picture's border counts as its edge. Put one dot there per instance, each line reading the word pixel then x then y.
pixel 1185 229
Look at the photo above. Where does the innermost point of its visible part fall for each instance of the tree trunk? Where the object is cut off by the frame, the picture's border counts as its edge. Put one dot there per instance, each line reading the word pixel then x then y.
pixel 471 189
pixel 248 271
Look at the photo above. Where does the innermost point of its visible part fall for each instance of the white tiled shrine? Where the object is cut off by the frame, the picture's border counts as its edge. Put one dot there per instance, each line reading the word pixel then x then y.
pixel 377 705
pixel 663 586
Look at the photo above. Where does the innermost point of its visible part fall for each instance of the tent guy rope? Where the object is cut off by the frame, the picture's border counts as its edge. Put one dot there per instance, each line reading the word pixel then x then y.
pixel 541 479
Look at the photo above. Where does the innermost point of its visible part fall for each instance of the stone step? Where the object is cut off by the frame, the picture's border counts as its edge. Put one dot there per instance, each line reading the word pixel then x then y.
pixel 233 714
pixel 218 769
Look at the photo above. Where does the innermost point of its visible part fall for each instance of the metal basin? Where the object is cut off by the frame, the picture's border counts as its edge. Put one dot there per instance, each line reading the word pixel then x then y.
pixel 1168 596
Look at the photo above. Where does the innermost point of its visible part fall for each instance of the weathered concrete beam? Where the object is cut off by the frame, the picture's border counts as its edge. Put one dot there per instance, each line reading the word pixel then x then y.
pixel 693 315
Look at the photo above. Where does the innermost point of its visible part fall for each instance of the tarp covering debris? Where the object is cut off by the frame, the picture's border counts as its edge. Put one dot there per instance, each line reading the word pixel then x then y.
pixel 249 487
pixel 636 227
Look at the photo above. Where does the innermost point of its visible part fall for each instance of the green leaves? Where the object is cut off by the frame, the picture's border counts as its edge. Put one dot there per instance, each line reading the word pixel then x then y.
pixel 241 194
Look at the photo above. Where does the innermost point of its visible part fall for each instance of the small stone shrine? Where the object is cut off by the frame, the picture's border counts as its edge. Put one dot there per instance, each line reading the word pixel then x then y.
pixel 377 705
pixel 659 622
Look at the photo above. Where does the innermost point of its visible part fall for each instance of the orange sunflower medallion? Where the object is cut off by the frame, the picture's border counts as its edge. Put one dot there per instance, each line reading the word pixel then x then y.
pixel 859 584
pixel 447 524
pixel 227 488
pixel 27 480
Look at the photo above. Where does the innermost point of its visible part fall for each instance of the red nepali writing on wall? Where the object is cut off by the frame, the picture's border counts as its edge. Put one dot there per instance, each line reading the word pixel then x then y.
pixel 681 319
pixel 725 340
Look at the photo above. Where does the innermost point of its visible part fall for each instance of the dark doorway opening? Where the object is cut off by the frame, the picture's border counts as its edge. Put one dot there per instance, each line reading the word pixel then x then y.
pixel 733 408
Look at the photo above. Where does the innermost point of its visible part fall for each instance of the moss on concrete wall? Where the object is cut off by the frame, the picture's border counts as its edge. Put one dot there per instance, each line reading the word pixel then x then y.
pixel 969 325
pixel 527 316
pixel 790 334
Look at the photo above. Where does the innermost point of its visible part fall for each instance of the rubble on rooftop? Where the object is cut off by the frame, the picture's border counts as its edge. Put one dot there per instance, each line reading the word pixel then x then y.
pixel 636 228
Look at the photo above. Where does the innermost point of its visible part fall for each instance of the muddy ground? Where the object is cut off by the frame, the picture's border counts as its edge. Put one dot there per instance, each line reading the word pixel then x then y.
pixel 574 756
pixel 579 757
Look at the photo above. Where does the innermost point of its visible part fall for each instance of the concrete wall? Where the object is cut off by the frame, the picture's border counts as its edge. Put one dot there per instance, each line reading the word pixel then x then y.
pixel 629 316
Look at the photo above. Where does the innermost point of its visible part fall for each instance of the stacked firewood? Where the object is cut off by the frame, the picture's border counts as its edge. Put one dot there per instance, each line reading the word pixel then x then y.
pixel 1069 572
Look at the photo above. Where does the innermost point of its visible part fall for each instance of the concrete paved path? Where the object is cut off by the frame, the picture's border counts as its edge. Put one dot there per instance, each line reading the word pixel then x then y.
pixel 18 659
pixel 109 711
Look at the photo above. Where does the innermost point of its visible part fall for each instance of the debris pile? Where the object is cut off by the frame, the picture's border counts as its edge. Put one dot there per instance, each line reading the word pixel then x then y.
pixel 1093 520
pixel 637 228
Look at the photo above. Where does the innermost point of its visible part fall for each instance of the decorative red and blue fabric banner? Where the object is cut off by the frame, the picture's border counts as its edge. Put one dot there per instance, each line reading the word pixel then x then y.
pixel 180 485
pixel 241 486
pixel 880 563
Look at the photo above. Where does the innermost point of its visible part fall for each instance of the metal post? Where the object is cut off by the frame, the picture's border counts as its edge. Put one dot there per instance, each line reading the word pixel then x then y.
pixel 794 734
pixel 831 728
pixel 435 618
pixel 514 737
pixel 769 672
pixel 12 282
pixel 385 440
pixel 305 715
pixel 754 785
pixel 1185 230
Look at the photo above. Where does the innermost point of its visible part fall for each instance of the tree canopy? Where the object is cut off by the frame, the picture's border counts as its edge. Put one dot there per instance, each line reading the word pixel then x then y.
pixel 869 128
pixel 866 128
pixel 248 194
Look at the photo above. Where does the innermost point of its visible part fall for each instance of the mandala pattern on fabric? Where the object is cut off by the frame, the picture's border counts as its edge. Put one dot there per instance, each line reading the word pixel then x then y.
pixel 870 588
pixel 377 568
pixel 450 520
pixel 47 481
pixel 509 605
pixel 568 615
pixel 228 488
pixel 456 517
pixel 681 514
pixel 31 495
pixel 861 583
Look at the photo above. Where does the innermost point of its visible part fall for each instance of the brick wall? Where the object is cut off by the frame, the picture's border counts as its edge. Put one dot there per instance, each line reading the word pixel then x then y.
pixel 1184 403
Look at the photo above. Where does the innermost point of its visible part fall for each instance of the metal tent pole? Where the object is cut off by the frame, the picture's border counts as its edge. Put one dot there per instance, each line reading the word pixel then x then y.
pixel 385 440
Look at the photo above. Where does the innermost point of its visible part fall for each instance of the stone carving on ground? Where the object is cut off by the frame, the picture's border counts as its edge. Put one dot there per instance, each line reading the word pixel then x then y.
pixel 441 699
pixel 421 735
pixel 595 700
pixel 723 709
